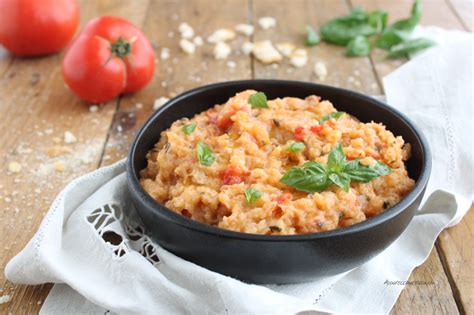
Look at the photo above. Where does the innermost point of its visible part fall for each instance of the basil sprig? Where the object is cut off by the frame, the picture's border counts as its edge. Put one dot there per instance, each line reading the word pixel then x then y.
pixel 251 195
pixel 188 129
pixel 359 22
pixel 258 100
pixel 205 155
pixel 316 177
pixel 360 30
pixel 400 30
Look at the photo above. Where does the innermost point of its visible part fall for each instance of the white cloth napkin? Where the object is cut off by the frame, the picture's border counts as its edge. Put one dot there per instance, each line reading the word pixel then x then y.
pixel 130 274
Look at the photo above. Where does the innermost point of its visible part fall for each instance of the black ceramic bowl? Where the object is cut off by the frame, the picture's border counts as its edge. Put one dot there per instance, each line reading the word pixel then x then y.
pixel 267 258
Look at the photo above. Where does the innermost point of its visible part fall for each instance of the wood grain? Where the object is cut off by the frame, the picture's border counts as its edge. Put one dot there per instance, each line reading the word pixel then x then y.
pixel 464 9
pixel 456 249
pixel 427 291
pixel 40 109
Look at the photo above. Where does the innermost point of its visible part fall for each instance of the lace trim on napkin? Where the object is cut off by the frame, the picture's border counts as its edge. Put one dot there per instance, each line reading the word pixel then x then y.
pixel 119 234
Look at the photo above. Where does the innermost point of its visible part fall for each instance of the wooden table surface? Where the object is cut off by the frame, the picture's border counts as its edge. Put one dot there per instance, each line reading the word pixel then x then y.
pixel 36 109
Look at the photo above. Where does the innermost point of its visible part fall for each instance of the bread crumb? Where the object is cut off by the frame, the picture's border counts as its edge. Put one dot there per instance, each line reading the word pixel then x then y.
pixel 244 29
pixel 185 30
pixel 285 48
pixel 247 48
pixel 198 41
pixel 165 53
pixel 231 64
pixel 139 105
pixel 187 46
pixel 59 166
pixel 265 52
pixel 160 102
pixel 299 58
pixel 93 108
pixel 267 22
pixel 14 167
pixel 221 51
pixel 57 150
pixel 320 70
pixel 221 35
pixel 69 137
pixel 56 140
pixel 5 299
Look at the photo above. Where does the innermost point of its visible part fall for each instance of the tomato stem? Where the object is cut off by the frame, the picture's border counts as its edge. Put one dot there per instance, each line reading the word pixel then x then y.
pixel 121 48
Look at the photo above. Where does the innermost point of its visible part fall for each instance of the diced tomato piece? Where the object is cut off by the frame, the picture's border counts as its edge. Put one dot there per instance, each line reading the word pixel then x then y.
pixel 299 133
pixel 225 121
pixel 231 176
pixel 284 198
pixel 316 128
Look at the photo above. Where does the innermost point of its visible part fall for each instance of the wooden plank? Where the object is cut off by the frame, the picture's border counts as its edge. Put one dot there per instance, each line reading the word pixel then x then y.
pixel 456 247
pixel 427 291
pixel 180 72
pixel 37 109
pixel 465 12
pixel 439 13
pixel 351 73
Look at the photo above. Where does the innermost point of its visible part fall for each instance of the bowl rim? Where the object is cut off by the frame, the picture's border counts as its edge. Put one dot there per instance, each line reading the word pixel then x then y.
pixel 135 187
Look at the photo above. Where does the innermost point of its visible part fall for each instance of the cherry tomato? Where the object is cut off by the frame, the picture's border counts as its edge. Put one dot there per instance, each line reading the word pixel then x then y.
pixel 37 27
pixel 109 57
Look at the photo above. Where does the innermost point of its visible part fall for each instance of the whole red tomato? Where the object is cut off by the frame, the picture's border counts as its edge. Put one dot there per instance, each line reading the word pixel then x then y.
pixel 111 56
pixel 37 27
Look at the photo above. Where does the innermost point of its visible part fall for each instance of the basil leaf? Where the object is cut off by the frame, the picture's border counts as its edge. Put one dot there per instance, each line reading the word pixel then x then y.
pixel 188 129
pixel 312 38
pixel 311 177
pixel 410 47
pixel 364 173
pixel 391 37
pixel 378 20
pixel 336 159
pixel 205 155
pixel 342 29
pixel 410 23
pixel 358 46
pixel 251 195
pixel 334 115
pixel 340 179
pixel 258 100
pixel 400 30
pixel 296 147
